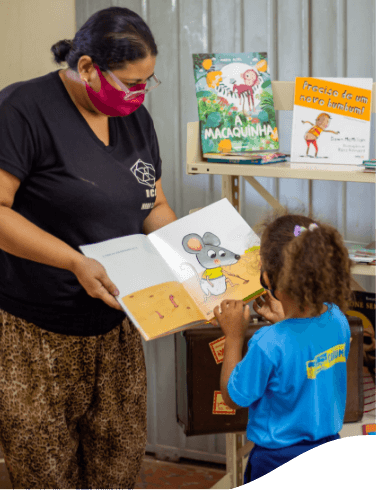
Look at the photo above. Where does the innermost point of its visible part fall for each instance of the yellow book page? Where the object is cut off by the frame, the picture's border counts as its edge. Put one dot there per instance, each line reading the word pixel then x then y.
pixel 162 308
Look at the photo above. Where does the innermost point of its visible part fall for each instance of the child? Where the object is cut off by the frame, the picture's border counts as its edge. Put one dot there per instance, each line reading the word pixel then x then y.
pixel 293 377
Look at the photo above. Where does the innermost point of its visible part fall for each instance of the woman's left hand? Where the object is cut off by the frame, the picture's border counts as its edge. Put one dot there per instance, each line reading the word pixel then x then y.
pixel 233 318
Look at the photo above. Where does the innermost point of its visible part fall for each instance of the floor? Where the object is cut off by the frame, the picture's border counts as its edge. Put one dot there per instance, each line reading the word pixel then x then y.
pixel 187 474
pixel 155 474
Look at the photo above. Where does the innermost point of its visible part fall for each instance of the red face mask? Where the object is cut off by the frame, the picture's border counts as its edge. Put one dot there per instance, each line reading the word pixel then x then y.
pixel 110 101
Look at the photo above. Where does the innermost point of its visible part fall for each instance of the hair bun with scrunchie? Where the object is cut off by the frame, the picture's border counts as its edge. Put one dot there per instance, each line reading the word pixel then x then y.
pixel 61 50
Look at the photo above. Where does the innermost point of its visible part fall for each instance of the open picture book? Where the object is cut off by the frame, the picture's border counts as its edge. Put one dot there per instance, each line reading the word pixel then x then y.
pixel 173 278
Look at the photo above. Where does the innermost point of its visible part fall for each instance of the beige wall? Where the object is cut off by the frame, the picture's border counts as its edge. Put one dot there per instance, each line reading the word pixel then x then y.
pixel 28 29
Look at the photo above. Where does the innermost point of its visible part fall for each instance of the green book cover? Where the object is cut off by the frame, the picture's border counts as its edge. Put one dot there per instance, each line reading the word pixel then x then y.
pixel 235 102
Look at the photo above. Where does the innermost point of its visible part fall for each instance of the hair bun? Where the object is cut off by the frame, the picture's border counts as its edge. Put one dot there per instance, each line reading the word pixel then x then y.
pixel 61 50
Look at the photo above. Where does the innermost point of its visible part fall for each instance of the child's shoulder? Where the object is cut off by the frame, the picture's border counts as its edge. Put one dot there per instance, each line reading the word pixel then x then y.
pixel 267 332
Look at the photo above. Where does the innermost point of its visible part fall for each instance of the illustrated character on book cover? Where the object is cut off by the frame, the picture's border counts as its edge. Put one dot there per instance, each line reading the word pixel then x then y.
pixel 212 256
pixel 322 122
pixel 251 81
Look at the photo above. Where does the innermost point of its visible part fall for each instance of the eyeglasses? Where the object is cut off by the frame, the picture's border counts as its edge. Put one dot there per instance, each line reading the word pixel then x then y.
pixel 132 94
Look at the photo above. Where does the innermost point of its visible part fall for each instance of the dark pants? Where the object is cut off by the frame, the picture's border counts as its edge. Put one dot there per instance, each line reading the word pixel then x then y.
pixel 72 409
pixel 263 460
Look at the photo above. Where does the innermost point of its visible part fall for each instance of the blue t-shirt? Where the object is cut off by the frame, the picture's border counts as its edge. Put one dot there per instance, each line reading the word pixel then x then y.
pixel 293 380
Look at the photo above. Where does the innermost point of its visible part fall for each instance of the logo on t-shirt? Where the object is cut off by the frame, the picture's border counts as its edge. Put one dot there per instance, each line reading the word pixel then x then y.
pixel 144 172
pixel 325 360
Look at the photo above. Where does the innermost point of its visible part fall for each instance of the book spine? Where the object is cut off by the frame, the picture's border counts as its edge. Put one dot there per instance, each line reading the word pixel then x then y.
pixel 244 162
pixel 236 162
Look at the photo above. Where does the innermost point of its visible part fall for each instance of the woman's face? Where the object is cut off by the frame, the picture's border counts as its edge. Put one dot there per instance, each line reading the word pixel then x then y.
pixel 137 72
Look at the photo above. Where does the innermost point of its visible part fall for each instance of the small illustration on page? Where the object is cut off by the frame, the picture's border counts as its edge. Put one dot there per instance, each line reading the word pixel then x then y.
pixel 311 137
pixel 212 256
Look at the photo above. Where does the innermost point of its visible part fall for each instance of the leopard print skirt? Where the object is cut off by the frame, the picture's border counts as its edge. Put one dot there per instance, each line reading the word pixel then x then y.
pixel 72 409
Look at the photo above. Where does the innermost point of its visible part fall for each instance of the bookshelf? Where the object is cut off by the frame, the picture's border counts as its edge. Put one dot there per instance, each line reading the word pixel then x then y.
pixel 283 92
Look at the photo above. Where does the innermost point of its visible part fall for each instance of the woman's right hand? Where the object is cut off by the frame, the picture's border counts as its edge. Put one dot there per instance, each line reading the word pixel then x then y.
pixel 269 307
pixel 93 278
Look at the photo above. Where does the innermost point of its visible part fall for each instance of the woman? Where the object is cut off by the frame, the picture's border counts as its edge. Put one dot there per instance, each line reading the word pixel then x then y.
pixel 74 148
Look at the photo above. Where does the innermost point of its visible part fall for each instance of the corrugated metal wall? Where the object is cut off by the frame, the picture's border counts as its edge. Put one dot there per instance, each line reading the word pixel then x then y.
pixel 320 38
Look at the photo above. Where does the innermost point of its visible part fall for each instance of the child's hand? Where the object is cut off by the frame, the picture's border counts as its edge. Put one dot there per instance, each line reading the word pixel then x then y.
pixel 269 307
pixel 233 318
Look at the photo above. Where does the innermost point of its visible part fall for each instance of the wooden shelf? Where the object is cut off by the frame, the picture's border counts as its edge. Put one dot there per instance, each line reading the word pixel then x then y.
pixel 196 164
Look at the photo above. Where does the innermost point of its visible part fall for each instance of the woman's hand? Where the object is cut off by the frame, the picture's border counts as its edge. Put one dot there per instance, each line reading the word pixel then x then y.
pixel 233 318
pixel 269 307
pixel 93 277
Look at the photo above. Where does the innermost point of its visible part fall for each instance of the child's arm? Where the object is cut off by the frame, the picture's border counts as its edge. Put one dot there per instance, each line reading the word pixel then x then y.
pixel 232 356
pixel 332 131
pixel 306 121
pixel 234 320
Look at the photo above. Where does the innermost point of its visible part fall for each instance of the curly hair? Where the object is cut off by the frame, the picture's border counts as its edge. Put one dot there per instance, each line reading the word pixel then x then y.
pixel 111 37
pixel 311 268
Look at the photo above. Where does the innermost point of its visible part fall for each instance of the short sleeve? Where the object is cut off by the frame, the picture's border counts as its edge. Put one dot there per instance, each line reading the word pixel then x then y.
pixel 249 379
pixel 16 143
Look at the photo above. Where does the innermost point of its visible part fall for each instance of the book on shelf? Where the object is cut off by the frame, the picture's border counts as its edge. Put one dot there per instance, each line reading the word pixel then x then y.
pixel 235 102
pixel 360 252
pixel 369 166
pixel 331 121
pixel 173 278
pixel 246 158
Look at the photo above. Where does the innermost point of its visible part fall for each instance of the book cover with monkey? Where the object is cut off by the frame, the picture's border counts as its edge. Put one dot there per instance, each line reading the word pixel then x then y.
pixel 235 102
pixel 174 277
pixel 331 120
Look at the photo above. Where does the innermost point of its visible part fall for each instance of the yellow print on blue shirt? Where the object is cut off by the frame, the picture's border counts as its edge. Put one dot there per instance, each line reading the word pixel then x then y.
pixel 325 360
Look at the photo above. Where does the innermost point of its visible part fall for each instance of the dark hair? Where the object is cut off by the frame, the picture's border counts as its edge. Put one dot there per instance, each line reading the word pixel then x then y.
pixel 311 268
pixel 111 37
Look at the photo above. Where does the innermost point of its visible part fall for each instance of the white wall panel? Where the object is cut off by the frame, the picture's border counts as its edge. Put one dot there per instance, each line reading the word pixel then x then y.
pixel 293 61
pixel 322 38
pixel 194 38
pixel 259 34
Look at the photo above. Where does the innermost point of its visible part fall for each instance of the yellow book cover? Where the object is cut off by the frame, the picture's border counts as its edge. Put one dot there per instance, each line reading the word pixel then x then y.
pixel 173 278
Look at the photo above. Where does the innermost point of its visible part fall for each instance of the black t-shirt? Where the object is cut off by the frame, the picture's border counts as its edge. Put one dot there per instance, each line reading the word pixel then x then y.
pixel 77 189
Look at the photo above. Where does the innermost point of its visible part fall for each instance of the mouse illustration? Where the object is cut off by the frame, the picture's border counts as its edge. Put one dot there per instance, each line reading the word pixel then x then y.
pixel 212 257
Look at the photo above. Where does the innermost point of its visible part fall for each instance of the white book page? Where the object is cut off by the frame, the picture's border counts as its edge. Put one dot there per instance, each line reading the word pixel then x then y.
pixel 131 262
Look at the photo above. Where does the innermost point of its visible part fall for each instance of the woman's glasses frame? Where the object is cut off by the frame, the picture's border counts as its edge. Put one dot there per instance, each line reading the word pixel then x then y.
pixel 132 94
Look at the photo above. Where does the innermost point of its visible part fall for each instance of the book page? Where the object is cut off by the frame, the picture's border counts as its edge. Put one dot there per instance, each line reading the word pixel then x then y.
pixel 150 293
pixel 331 120
pixel 214 254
